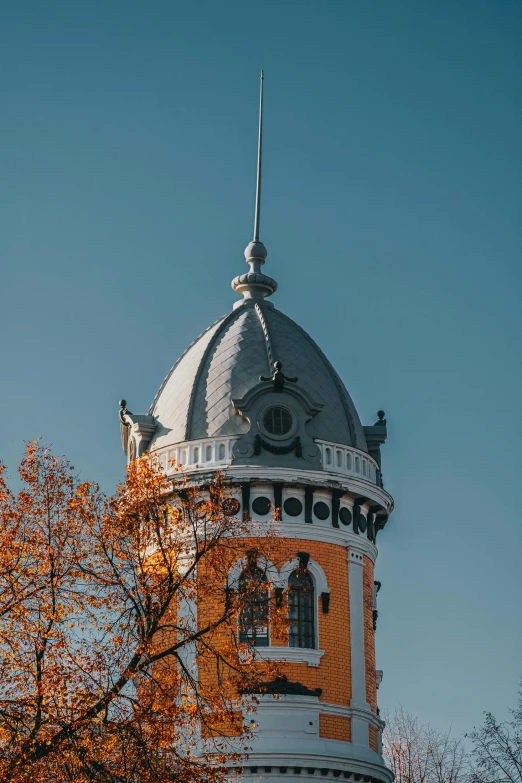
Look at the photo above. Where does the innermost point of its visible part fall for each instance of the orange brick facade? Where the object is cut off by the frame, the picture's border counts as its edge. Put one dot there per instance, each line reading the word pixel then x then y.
pixel 372 738
pixel 335 727
pixel 333 675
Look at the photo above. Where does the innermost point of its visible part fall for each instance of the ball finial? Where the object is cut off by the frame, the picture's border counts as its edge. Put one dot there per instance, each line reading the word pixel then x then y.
pixel 381 422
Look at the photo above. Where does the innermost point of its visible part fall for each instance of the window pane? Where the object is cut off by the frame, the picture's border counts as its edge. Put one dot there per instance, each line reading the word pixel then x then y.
pixel 253 620
pixel 301 609
pixel 277 421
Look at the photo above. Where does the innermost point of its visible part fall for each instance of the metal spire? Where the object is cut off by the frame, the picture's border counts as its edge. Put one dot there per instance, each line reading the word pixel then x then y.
pixel 259 157
pixel 254 285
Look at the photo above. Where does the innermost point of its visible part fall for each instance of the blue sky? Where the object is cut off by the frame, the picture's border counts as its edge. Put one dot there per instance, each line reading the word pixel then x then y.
pixel 391 214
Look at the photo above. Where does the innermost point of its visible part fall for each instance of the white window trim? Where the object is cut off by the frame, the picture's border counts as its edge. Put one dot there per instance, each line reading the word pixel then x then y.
pixel 307 655
pixel 275 436
pixel 317 573
pixel 235 573
pixel 240 565
pixel 320 586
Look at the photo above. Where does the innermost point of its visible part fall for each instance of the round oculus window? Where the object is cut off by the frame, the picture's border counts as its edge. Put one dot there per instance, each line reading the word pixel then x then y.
pixel 261 506
pixel 277 420
pixel 362 523
pixel 231 506
pixel 345 515
pixel 293 507
pixel 321 510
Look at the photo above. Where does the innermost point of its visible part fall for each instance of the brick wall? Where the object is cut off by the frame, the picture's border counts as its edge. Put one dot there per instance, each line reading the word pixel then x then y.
pixel 333 675
pixel 372 738
pixel 335 727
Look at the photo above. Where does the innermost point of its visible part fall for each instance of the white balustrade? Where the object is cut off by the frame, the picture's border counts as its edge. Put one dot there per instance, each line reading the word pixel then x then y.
pixel 347 461
pixel 215 452
pixel 196 454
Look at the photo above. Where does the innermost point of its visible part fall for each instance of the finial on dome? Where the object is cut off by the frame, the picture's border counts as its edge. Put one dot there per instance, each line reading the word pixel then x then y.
pixel 255 284
pixel 259 158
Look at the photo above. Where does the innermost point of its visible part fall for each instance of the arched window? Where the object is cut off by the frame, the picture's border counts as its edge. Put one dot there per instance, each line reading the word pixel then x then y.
pixel 301 603
pixel 253 618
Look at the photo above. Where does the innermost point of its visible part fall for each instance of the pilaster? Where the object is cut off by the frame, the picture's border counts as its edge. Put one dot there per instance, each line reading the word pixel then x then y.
pixel 361 708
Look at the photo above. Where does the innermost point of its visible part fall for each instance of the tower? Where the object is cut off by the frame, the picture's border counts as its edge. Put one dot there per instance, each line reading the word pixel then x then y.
pixel 256 398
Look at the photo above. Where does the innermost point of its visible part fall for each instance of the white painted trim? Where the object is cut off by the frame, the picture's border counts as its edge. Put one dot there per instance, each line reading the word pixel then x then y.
pixel 302 531
pixel 328 535
pixel 358 660
pixel 184 454
pixel 347 461
pixel 240 565
pixel 356 556
pixel 336 458
pixel 314 702
pixel 350 712
pixel 335 755
pixel 307 655
pixel 318 575
pixel 293 416
pixel 317 477
pixel 320 586
pixel 287 734
pixel 312 656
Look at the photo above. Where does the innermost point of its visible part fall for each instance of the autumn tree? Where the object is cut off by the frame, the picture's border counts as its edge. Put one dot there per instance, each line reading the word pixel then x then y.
pixel 496 755
pixel 418 753
pixel 108 672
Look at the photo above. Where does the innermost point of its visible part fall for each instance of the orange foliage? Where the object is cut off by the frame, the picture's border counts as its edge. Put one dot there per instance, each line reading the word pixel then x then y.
pixel 101 648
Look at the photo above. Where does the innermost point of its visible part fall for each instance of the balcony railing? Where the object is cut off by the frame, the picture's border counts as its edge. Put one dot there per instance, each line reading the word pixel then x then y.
pixel 217 452
pixel 207 453
pixel 348 461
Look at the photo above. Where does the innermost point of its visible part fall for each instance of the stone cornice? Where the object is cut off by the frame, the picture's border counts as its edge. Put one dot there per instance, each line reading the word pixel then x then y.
pixel 333 757
pixel 328 535
pixel 318 478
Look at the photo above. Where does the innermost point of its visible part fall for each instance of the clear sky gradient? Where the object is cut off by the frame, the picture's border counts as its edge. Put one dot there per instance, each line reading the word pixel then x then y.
pixel 391 213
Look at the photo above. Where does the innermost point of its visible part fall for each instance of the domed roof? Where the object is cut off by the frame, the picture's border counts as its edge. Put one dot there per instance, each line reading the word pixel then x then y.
pixel 196 399
pixel 210 391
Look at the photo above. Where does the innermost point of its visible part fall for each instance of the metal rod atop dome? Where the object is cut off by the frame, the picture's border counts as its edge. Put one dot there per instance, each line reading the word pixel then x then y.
pixel 254 285
pixel 259 155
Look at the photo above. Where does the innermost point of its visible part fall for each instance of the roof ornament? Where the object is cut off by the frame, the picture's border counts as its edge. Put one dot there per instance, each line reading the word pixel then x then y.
pixel 124 412
pixel 259 158
pixel 255 284
pixel 279 378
